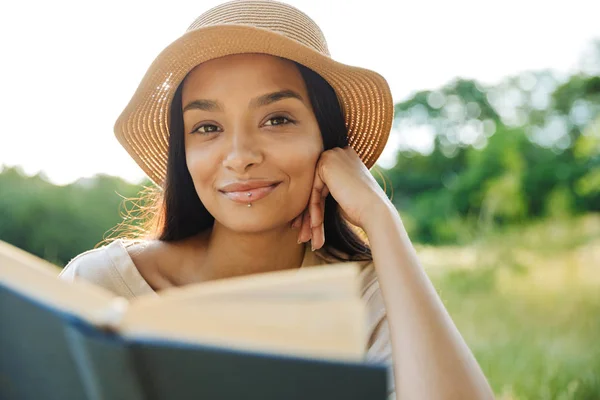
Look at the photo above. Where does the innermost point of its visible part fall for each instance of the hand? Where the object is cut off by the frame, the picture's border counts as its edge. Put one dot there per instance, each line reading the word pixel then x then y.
pixel 342 173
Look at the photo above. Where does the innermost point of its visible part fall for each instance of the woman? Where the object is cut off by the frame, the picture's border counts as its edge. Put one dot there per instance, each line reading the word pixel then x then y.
pixel 245 123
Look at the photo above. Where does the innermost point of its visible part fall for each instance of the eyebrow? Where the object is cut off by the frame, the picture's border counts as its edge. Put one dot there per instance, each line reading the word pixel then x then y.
pixel 206 105
pixel 270 98
pixel 260 101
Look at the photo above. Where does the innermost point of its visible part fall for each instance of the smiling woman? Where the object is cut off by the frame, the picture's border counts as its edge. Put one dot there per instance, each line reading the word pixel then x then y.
pixel 260 143
pixel 257 144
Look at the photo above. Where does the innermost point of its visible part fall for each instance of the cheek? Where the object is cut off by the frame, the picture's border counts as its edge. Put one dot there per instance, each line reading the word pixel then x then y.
pixel 202 166
pixel 299 165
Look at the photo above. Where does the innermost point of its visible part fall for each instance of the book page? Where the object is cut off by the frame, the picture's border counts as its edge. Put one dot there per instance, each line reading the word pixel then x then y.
pixel 37 279
pixel 322 281
pixel 315 311
pixel 317 329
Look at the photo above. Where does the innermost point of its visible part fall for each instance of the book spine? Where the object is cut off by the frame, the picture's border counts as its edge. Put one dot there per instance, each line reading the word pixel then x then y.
pixel 104 363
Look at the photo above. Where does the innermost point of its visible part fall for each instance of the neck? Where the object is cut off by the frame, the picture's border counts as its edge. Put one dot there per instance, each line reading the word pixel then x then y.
pixel 231 253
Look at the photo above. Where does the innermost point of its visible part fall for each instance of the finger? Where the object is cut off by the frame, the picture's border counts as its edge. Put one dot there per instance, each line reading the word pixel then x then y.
pixel 315 210
pixel 324 192
pixel 319 192
pixel 305 233
pixel 317 216
pixel 318 232
pixel 297 222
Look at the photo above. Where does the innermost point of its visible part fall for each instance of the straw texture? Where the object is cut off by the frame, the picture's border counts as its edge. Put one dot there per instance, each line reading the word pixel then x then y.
pixel 251 26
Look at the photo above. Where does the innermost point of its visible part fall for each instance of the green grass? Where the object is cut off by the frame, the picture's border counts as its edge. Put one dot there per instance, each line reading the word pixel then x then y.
pixel 532 317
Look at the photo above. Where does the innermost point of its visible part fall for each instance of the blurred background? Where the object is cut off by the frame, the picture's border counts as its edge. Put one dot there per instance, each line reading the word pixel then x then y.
pixel 493 161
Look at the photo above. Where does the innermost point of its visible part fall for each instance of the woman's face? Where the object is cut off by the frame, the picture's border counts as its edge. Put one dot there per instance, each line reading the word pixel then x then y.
pixel 251 137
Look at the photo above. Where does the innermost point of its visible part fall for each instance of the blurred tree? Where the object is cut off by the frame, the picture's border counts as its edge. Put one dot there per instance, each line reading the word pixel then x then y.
pixel 524 148
pixel 58 222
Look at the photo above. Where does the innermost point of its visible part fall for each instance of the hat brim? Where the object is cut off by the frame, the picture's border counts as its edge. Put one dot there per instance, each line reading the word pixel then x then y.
pixel 143 126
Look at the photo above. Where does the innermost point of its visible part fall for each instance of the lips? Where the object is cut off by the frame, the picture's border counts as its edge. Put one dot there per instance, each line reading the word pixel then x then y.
pixel 248 192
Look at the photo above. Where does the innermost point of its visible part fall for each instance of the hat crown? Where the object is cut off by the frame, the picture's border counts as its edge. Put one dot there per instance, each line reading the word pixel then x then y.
pixel 274 16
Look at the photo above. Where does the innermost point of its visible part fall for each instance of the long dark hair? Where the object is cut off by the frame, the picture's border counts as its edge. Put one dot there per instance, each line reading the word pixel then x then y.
pixel 179 213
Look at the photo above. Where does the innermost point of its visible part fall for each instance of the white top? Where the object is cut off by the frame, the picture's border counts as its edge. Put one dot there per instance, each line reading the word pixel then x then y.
pixel 112 268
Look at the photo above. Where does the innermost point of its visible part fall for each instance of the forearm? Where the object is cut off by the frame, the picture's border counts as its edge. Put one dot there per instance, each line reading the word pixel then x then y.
pixel 431 360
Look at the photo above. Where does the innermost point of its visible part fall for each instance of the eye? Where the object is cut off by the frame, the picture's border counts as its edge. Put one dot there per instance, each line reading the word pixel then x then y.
pixel 205 129
pixel 278 120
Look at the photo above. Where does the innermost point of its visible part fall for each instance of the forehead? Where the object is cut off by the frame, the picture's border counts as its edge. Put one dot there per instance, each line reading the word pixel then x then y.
pixel 237 74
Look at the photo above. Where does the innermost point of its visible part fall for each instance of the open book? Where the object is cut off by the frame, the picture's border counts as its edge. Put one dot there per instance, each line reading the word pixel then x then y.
pixel 295 334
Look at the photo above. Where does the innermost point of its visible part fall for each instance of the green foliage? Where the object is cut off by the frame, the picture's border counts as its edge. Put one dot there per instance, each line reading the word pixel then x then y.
pixel 500 155
pixel 58 222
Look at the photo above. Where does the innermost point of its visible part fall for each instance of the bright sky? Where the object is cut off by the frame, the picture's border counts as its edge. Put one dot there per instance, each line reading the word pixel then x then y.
pixel 70 67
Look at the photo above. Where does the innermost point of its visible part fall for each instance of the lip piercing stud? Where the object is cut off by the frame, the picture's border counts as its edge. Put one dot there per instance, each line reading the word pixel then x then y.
pixel 249 204
pixel 249 194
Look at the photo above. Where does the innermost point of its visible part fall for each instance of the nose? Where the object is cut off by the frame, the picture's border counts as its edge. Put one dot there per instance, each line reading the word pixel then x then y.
pixel 243 152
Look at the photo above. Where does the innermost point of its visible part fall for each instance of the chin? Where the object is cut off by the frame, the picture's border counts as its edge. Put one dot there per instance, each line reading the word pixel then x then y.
pixel 273 212
pixel 251 225
pixel 258 218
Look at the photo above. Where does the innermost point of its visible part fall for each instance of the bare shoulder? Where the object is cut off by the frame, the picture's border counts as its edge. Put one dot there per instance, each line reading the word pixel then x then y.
pixel 144 252
pixel 160 263
pixel 151 251
pixel 148 256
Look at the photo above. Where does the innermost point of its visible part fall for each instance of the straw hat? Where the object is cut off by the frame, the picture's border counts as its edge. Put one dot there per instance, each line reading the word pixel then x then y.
pixel 251 26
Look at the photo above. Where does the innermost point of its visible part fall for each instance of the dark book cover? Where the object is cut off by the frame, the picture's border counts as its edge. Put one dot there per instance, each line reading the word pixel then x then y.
pixel 48 354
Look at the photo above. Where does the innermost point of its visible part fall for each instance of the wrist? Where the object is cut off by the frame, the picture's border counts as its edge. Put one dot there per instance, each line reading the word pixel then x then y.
pixel 381 214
